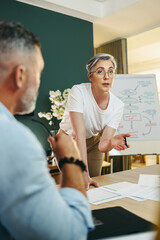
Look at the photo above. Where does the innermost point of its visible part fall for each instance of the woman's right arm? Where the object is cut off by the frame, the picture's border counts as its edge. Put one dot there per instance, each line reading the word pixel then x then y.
pixel 79 132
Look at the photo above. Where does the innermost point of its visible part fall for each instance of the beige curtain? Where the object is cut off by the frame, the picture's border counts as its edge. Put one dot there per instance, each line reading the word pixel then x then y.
pixel 118 49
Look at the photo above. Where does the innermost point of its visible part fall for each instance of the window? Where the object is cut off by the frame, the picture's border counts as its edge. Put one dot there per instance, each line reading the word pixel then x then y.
pixel 144 54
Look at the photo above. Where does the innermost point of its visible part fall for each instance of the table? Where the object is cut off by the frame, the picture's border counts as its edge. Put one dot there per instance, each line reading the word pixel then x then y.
pixel 55 173
pixel 147 209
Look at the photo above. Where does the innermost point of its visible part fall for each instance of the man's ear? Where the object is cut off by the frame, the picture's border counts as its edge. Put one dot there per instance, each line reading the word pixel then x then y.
pixel 20 75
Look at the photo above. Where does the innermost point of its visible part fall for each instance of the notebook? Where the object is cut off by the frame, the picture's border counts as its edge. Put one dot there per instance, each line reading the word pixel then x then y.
pixel 116 221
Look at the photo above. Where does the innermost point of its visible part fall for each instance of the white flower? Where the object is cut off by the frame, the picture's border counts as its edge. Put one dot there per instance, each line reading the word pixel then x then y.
pixel 48 116
pixel 51 99
pixel 54 94
pixel 55 114
pixel 58 103
pixel 51 123
pixel 66 92
pixel 40 114
pixel 53 107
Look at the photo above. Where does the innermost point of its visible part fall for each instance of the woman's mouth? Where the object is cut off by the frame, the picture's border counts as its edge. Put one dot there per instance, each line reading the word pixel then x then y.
pixel 105 84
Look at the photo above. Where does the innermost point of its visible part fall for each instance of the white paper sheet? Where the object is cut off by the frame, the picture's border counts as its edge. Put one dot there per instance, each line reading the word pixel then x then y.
pixel 118 186
pixel 99 195
pixel 149 180
pixel 141 192
pixel 139 236
pixel 123 189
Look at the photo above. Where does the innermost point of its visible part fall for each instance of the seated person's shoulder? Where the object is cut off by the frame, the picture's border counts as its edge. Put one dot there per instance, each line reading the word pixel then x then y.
pixel 19 138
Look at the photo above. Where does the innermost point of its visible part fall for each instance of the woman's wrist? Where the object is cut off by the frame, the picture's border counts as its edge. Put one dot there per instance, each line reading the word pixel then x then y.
pixel 86 174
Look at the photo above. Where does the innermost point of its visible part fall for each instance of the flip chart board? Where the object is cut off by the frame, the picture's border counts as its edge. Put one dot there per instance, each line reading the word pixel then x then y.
pixel 141 116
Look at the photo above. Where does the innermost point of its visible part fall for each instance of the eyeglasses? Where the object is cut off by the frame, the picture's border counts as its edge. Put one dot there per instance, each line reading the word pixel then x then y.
pixel 100 73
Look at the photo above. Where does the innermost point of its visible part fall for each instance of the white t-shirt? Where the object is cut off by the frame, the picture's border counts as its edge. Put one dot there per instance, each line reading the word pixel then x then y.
pixel 81 100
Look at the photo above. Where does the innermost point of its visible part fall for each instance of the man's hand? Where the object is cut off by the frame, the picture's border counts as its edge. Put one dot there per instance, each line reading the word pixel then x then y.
pixel 63 145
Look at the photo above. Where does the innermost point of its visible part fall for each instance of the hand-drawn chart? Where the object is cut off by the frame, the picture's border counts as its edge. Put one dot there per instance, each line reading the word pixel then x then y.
pixel 141 116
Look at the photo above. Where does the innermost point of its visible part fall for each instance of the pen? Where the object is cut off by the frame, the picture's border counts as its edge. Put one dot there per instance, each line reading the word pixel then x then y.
pixel 125 140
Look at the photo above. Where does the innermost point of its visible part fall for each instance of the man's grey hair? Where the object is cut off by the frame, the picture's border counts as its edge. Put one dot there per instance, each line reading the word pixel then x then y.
pixel 14 36
pixel 100 56
pixel 17 45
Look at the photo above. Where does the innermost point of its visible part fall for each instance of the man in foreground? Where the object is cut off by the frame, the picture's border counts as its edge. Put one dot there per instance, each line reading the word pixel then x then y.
pixel 30 205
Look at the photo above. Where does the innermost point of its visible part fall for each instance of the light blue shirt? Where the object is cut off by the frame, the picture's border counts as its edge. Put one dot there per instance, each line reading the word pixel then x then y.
pixel 30 205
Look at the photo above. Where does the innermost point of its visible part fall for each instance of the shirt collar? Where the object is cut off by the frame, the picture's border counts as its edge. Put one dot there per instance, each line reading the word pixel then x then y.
pixel 3 109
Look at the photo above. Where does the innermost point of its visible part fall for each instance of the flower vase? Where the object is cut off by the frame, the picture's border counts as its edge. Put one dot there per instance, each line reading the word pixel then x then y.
pixel 54 132
pixel 54 161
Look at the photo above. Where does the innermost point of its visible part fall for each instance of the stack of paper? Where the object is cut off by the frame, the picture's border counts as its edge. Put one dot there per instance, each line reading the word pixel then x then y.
pixel 148 187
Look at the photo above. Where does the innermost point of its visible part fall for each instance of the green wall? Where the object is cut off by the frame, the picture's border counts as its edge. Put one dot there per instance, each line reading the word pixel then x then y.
pixel 67 44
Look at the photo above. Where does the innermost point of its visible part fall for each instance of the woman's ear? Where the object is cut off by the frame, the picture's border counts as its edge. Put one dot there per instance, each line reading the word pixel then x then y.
pixel 20 75
pixel 89 76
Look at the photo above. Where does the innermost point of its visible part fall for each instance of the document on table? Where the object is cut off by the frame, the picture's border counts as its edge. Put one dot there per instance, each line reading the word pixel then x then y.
pixel 125 189
pixel 150 235
pixel 138 192
pixel 149 180
pixel 100 195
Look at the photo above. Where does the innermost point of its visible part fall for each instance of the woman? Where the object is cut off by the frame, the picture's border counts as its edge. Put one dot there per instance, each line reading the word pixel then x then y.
pixel 93 114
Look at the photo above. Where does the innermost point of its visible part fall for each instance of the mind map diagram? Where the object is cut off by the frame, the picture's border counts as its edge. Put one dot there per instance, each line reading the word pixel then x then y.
pixel 141 107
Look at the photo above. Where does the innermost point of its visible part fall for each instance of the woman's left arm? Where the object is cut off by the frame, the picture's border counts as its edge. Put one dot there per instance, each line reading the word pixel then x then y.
pixel 108 141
